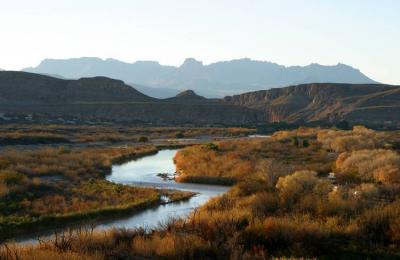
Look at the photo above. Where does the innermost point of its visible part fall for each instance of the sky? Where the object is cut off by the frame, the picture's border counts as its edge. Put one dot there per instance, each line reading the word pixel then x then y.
pixel 362 33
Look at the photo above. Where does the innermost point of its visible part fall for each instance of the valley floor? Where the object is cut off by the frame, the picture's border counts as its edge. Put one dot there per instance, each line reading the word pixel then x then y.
pixel 53 176
pixel 311 192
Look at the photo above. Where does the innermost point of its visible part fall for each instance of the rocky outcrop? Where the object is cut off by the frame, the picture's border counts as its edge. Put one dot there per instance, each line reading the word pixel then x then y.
pixel 324 101
pixel 187 96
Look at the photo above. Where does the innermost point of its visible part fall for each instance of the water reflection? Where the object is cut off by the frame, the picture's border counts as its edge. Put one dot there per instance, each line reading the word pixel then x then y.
pixel 143 172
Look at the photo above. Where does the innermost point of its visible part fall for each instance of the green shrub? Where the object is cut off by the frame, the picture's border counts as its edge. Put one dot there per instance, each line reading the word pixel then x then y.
pixel 212 146
pixel 295 141
pixel 143 139
pixel 179 135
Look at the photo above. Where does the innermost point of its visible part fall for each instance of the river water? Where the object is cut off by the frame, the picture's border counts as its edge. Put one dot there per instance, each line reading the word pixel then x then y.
pixel 143 172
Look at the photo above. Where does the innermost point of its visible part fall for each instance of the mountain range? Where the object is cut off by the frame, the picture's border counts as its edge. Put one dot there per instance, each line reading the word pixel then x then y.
pixel 102 99
pixel 214 80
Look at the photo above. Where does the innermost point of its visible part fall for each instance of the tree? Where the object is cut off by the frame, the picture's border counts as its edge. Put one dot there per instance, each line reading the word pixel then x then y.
pixel 143 139
pixel 291 187
pixel 371 165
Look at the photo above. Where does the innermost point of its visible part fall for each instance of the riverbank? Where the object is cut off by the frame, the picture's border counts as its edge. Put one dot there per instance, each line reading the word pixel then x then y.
pixel 210 180
pixel 18 228
pixel 50 188
pixel 178 200
pixel 106 135
pixel 48 225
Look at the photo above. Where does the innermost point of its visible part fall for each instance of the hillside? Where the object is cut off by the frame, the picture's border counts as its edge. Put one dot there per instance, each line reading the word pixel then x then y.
pixel 23 88
pixel 328 102
pixel 102 99
pixel 99 99
pixel 187 96
pixel 156 92
pixel 214 80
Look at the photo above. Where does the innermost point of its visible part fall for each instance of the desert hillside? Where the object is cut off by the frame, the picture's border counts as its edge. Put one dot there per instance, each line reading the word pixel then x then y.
pixel 324 101
pixel 109 100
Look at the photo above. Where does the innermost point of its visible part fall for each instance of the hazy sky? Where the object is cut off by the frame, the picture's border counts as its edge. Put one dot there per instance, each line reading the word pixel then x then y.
pixel 362 33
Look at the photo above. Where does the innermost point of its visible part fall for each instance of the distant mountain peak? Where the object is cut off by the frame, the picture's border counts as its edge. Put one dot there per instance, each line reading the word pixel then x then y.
pixel 147 62
pixel 189 95
pixel 191 62
pixel 81 59
pixel 213 80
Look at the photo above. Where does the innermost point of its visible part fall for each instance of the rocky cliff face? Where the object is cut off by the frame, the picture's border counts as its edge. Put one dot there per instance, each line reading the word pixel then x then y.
pixel 323 101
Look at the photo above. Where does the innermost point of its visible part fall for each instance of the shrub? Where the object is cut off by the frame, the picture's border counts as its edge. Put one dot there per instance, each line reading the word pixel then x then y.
pixel 171 246
pixel 271 170
pixel 143 139
pixel 353 143
pixel 9 177
pixel 64 150
pixel 371 165
pixel 380 224
pixel 295 141
pixel 388 174
pixel 292 186
pixel 212 146
pixel 261 204
pixel 3 189
pixel 179 135
pixel 267 213
pixel 346 141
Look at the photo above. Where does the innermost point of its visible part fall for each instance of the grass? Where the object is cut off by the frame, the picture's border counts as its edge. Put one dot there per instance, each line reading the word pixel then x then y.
pixel 37 138
pixel 83 134
pixel 281 204
pixel 51 187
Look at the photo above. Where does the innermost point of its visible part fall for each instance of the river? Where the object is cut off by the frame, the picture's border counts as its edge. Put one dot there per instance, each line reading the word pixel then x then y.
pixel 143 172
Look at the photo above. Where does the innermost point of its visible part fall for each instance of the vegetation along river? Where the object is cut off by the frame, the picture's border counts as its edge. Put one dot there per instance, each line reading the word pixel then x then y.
pixel 144 172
